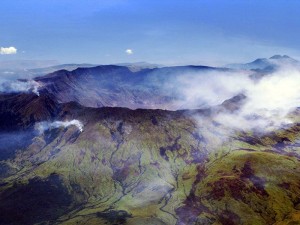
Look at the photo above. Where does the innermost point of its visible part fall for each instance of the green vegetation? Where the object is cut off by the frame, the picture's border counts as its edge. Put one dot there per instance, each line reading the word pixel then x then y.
pixel 158 167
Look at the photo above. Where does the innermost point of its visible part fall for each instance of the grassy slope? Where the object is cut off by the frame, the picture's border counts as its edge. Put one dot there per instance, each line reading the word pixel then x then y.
pixel 155 167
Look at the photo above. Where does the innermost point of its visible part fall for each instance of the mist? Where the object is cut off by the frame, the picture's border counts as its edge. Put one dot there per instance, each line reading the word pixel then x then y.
pixel 17 75
pixel 10 142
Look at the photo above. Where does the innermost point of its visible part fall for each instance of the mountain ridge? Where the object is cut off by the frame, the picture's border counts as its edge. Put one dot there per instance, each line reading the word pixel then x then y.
pixel 125 161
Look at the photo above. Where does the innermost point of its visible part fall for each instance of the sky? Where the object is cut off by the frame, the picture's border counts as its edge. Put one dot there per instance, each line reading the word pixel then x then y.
pixel 169 32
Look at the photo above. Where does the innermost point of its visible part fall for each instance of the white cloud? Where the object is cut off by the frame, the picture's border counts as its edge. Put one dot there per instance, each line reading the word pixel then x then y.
pixel 129 51
pixel 8 50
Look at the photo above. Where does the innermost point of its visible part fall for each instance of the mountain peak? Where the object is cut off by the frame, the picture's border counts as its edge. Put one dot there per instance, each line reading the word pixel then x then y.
pixel 280 57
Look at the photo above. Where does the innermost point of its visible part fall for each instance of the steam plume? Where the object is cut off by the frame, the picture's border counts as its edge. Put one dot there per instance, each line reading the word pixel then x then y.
pixel 20 86
pixel 43 126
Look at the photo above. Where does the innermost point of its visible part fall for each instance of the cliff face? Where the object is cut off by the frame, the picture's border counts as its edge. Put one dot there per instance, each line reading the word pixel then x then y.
pixel 119 86
pixel 141 167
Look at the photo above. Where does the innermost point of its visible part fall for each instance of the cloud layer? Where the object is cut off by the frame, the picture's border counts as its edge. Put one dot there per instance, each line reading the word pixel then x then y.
pixel 269 99
pixel 8 50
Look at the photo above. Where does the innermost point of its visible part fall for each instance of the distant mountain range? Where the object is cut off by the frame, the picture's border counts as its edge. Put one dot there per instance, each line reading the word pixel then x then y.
pixel 264 64
pixel 33 68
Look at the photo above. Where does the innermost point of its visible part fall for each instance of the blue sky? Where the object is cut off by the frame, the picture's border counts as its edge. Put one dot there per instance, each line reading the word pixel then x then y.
pixel 212 32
